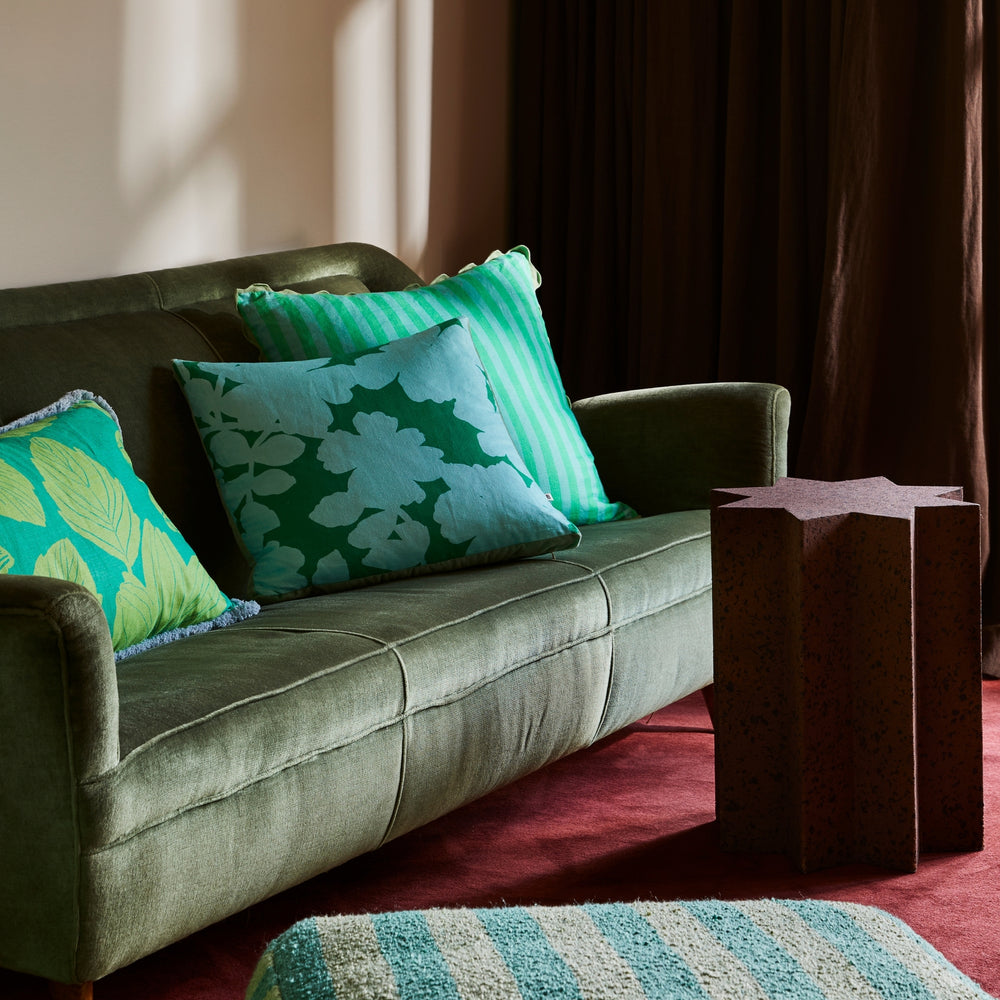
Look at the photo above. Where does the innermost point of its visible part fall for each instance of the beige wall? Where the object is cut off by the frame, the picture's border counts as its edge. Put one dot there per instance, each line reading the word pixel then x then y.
pixel 152 133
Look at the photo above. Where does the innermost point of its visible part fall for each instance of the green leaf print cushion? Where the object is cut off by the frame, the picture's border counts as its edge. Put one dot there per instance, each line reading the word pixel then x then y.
pixel 393 463
pixel 505 320
pixel 72 507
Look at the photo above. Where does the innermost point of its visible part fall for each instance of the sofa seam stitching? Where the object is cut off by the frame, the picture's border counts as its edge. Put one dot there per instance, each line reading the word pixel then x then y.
pixel 286 765
pixel 75 786
pixel 774 435
pixel 611 658
pixel 399 720
pixel 341 744
pixel 385 646
pixel 397 804
pixel 264 696
pixel 156 289
pixel 183 319
pixel 46 614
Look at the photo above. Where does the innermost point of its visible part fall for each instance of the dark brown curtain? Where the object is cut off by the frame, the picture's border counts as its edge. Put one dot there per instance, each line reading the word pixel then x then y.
pixel 795 191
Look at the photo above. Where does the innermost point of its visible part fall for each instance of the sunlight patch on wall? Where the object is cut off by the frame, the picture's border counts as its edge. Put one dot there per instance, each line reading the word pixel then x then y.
pixel 178 176
pixel 415 58
pixel 382 77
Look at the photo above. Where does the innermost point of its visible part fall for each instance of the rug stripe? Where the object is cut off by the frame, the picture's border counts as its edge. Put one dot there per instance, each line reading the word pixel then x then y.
pixel 779 975
pixel 263 985
pixel 535 964
pixel 660 970
pixel 688 950
pixel 721 974
pixel 355 961
pixel 473 960
pixel 879 966
pixel 299 967
pixel 809 948
pixel 420 971
pixel 600 971
pixel 940 976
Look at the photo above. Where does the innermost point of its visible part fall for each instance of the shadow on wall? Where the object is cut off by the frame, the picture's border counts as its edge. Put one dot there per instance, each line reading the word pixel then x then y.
pixel 469 181
pixel 165 132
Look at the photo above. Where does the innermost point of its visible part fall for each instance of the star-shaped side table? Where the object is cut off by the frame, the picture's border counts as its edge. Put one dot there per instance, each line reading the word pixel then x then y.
pixel 848 683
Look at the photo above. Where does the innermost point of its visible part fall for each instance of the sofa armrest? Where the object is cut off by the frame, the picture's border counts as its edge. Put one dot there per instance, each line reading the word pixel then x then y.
pixel 58 728
pixel 58 671
pixel 665 449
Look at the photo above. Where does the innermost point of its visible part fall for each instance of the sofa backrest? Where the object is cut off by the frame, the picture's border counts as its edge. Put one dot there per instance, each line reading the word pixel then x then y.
pixel 117 337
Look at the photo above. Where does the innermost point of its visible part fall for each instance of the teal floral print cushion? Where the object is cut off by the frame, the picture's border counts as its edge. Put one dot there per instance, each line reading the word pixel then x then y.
pixel 393 463
pixel 500 301
pixel 72 507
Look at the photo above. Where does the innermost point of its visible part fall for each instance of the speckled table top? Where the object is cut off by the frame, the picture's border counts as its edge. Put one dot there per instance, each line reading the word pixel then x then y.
pixel 810 498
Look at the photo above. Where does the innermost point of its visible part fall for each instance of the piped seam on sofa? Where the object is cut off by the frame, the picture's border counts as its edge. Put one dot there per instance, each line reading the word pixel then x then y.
pixel 52 620
pixel 183 319
pixel 156 288
pixel 315 754
pixel 609 685
pixel 254 624
pixel 384 646
pixel 408 711
pixel 224 794
pixel 639 616
pixel 398 720
pixel 262 696
pixel 75 808
pixel 401 781
pixel 555 558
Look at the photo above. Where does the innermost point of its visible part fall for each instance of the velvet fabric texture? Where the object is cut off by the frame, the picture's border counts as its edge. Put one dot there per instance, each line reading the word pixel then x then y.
pixel 805 194
pixel 146 799
pixel 289 743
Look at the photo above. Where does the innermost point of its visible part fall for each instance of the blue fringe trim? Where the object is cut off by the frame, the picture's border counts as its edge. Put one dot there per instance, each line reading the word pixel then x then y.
pixel 61 405
pixel 239 611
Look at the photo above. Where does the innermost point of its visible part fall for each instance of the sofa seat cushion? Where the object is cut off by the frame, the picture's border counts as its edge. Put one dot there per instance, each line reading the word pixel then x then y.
pixel 211 716
pixel 648 565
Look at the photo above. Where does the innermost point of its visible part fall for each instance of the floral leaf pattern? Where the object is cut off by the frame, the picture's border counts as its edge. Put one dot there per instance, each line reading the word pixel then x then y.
pixel 18 499
pixel 71 507
pixel 181 590
pixel 89 499
pixel 134 602
pixel 392 462
pixel 63 561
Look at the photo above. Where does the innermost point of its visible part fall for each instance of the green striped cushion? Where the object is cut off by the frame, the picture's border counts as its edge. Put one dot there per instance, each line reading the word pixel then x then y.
pixel 696 950
pixel 507 328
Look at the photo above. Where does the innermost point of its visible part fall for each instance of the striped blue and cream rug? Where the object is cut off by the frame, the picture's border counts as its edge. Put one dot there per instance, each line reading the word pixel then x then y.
pixel 705 949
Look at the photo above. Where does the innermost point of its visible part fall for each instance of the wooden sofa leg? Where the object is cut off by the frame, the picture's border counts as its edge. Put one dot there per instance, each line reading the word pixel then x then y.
pixel 71 991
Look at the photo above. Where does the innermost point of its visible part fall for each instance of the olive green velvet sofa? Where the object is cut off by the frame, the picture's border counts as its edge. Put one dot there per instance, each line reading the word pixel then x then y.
pixel 144 800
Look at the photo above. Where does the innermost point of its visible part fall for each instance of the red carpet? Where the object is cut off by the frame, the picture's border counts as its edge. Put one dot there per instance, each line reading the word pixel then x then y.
pixel 632 817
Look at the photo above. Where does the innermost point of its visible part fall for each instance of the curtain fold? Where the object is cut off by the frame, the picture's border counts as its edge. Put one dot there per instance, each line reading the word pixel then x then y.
pixel 777 191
